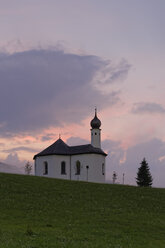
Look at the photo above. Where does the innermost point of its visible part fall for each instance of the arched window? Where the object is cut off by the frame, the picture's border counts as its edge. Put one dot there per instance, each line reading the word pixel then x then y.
pixel 78 167
pixel 63 168
pixel 45 168
pixel 103 169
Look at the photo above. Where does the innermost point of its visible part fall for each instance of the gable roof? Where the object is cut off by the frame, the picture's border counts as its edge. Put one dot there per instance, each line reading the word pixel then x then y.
pixel 61 148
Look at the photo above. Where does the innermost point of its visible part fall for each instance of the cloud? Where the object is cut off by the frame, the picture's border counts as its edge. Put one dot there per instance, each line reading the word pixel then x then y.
pixel 115 157
pixel 148 107
pixel 47 137
pixel 74 141
pixel 44 88
pixel 153 151
pixel 119 72
pixel 113 73
pixel 13 159
pixel 128 161
pixel 13 164
pixel 20 148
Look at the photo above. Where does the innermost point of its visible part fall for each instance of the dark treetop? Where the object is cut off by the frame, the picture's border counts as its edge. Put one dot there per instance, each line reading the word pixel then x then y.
pixel 144 178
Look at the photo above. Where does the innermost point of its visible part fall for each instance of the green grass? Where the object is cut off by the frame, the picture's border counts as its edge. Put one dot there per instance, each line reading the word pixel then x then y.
pixel 47 213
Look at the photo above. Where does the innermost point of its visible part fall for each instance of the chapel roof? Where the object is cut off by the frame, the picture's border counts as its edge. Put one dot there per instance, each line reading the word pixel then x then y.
pixel 61 148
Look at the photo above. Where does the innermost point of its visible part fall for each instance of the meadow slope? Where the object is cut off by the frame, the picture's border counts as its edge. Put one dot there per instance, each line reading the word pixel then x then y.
pixel 39 212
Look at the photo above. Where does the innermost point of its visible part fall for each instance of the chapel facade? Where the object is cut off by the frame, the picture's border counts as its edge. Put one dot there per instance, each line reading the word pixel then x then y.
pixel 82 162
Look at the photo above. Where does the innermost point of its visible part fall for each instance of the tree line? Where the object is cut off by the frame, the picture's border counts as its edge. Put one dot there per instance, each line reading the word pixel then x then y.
pixel 143 178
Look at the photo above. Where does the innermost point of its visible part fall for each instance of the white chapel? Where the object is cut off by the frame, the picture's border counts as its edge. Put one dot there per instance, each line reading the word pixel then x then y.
pixel 82 162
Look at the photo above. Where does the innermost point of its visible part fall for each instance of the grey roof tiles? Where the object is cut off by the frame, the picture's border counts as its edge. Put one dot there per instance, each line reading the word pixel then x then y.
pixel 61 148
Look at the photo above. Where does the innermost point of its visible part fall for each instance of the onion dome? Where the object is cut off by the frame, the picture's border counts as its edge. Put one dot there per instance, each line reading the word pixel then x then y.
pixel 95 123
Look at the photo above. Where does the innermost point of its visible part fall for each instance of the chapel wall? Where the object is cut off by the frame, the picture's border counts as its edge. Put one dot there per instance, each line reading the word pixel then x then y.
pixel 94 171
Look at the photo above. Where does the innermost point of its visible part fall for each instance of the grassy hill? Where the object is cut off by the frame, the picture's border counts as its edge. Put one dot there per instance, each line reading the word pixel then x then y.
pixel 40 212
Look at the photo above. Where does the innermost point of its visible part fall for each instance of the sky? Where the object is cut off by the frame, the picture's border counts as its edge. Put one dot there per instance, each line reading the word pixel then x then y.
pixel 60 59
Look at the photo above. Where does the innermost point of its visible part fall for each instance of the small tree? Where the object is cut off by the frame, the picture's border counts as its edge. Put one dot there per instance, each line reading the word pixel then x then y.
pixel 114 177
pixel 144 178
pixel 28 168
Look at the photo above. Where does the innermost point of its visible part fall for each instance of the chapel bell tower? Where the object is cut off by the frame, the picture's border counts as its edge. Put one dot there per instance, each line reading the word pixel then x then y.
pixel 96 131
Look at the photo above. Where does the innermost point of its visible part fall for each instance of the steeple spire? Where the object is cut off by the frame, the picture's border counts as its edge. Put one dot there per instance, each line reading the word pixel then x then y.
pixel 95 122
pixel 96 131
pixel 95 111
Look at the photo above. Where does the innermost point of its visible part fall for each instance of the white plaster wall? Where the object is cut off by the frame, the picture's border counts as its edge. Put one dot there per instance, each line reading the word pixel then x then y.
pixel 94 161
pixel 54 166
pixel 96 138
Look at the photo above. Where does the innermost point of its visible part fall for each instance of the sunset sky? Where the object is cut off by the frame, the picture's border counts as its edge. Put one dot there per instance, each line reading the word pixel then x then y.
pixel 59 59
